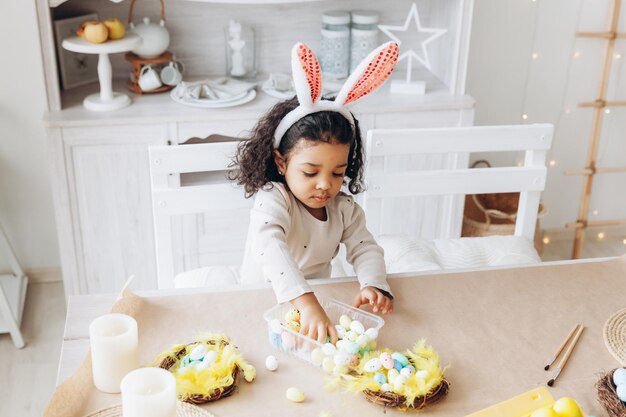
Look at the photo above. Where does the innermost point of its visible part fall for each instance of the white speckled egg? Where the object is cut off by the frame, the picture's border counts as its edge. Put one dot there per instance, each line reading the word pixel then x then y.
pixel 341 331
pixel 399 382
pixel 317 356
pixel 619 376
pixel 351 336
pixel 198 353
pixel 293 325
pixel 201 365
pixel 271 363
pixel 341 358
pixel 407 372
pixel 342 345
pixel 328 364
pixel 275 326
pixel 385 387
pixel 294 394
pixel 345 321
pixel 329 349
pixel 371 333
pixel 422 374
pixel 357 327
pixel 372 365
pixel 621 392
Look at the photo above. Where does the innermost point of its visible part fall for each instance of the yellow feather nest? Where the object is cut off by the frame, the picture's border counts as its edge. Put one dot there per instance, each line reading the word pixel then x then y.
pixel 216 376
pixel 422 357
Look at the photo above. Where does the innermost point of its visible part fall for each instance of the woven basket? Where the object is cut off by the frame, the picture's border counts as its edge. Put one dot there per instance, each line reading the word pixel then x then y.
pixel 607 397
pixel 168 362
pixel 391 399
pixel 495 214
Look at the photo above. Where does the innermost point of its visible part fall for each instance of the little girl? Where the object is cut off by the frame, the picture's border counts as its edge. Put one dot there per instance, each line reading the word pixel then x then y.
pixel 296 161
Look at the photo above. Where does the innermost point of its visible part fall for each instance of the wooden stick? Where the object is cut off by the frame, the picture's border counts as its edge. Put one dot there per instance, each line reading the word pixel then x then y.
pixel 566 356
pixel 558 351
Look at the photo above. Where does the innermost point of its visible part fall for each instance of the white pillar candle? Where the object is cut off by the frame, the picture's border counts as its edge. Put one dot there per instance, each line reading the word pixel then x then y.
pixel 149 392
pixel 114 350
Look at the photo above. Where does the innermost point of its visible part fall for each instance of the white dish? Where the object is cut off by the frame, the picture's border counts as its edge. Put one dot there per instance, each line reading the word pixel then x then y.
pixel 216 104
pixel 270 91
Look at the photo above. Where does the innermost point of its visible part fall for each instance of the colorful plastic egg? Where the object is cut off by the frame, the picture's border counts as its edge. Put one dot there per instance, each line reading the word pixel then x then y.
pixel 392 374
pixel 397 365
pixel 317 356
pixel 210 357
pixel 385 387
pixel 372 365
pixel 371 333
pixel 386 360
pixel 345 321
pixel 341 331
pixel 292 315
pixel 362 341
pixel 422 374
pixel 619 376
pixel 288 340
pixel 341 358
pixel 198 353
pixel 328 364
pixel 380 378
pixel 275 326
pixel 329 349
pixel 293 325
pixel 294 394
pixel 400 358
pixel 271 363
pixel 357 327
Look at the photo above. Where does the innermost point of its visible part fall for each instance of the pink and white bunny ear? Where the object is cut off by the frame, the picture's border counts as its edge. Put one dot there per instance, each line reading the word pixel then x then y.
pixel 369 74
pixel 307 75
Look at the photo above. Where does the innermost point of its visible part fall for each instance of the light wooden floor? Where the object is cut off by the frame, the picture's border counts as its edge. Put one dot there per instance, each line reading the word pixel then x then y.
pixel 27 376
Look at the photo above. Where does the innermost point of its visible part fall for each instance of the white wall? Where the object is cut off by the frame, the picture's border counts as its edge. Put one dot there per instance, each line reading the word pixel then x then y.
pixel 25 196
pixel 502 76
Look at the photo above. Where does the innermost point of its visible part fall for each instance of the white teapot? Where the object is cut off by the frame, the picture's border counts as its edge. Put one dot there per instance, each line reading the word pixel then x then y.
pixel 155 36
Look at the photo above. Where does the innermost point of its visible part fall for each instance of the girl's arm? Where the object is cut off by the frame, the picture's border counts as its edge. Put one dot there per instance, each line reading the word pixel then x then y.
pixel 367 259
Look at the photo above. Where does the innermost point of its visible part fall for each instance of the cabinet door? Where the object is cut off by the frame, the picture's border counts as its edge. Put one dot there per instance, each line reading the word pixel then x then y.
pixel 110 197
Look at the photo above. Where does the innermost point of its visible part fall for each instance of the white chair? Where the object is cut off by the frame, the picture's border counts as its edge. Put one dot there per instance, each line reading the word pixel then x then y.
pixel 12 294
pixel 190 187
pixel 394 199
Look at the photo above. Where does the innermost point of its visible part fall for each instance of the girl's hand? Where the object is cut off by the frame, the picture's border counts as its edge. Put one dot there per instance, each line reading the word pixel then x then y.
pixel 374 297
pixel 313 319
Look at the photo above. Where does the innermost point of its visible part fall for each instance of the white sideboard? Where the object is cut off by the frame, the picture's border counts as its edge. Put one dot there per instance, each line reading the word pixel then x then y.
pixel 100 172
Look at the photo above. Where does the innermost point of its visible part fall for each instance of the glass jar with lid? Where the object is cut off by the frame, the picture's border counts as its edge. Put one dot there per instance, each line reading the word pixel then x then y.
pixel 335 44
pixel 363 35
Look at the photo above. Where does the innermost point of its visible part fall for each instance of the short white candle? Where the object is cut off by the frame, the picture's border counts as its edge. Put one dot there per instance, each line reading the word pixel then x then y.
pixel 114 350
pixel 149 392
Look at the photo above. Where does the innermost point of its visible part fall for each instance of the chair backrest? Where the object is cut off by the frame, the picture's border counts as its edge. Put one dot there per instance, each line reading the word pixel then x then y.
pixel 203 204
pixel 385 180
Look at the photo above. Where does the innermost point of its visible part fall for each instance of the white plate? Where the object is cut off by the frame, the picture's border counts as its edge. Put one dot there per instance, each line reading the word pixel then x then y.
pixel 283 95
pixel 216 104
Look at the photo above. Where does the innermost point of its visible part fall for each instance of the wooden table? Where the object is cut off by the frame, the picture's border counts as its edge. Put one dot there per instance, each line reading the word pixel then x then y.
pixel 496 328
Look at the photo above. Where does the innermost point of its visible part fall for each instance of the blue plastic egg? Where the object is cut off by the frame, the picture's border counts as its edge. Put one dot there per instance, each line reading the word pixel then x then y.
pixel 397 356
pixel 397 365
pixel 619 376
pixel 380 378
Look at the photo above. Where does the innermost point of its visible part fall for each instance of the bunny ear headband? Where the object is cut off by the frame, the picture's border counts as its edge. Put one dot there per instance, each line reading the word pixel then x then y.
pixel 307 78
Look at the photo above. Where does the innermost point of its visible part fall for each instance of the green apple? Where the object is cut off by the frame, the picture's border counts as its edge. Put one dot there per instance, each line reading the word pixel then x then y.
pixel 567 407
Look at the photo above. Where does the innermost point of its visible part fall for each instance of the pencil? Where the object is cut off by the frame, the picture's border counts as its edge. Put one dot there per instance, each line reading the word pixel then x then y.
pixel 558 351
pixel 566 356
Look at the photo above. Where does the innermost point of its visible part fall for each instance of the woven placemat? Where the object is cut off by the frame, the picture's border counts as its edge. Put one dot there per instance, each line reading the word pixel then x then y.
pixel 615 336
pixel 182 410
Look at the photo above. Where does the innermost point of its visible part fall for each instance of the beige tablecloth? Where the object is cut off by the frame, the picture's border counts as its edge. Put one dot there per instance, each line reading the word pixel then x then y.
pixel 495 329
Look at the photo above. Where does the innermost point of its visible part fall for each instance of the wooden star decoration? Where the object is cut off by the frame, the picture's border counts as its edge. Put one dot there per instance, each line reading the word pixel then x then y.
pixel 410 53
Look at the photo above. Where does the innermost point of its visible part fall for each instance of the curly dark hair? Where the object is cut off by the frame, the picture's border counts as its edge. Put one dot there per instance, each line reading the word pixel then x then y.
pixel 254 162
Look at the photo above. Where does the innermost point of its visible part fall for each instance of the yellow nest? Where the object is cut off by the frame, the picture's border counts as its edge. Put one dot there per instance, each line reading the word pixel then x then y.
pixel 209 384
pixel 422 357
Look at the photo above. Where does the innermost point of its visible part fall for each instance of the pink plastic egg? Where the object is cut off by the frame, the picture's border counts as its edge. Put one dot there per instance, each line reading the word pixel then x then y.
pixel 386 360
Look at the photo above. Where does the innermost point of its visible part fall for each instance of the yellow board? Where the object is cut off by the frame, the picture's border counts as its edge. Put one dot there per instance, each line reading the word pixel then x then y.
pixel 521 406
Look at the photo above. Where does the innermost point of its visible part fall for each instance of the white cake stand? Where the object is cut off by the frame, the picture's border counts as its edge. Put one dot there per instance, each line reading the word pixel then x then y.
pixel 107 99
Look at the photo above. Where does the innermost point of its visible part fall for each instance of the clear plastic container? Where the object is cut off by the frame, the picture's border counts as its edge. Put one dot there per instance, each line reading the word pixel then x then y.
pixel 301 346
